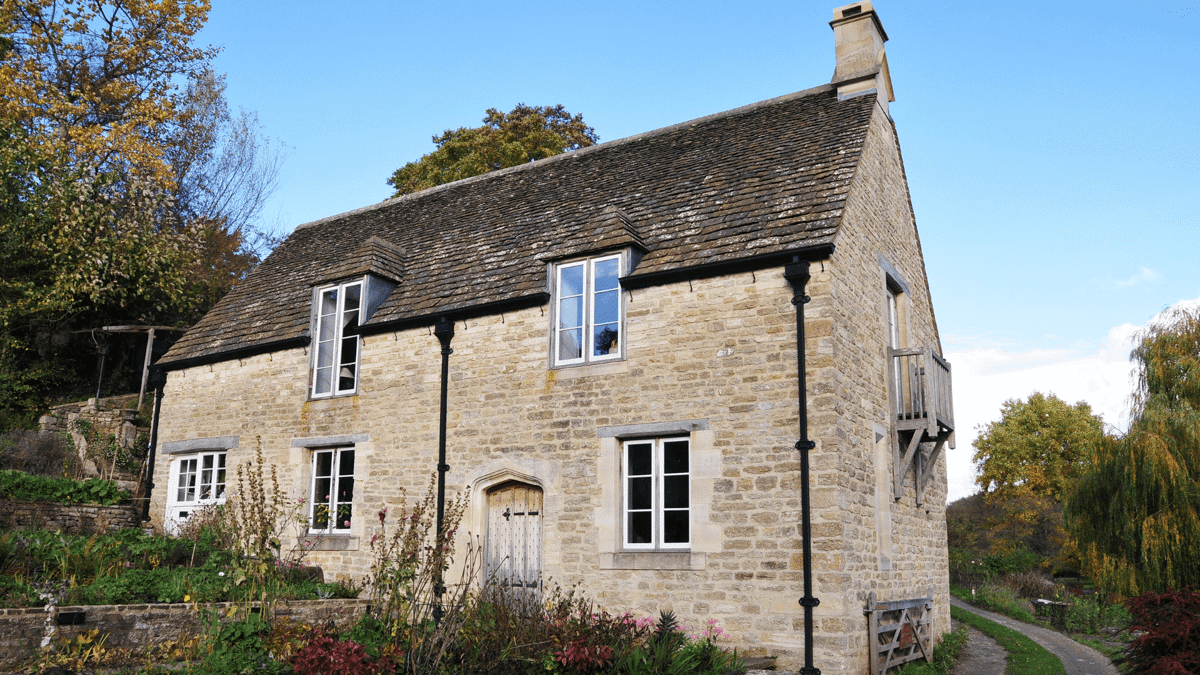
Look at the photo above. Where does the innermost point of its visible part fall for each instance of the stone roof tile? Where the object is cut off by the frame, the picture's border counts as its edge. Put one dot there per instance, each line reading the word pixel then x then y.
pixel 768 178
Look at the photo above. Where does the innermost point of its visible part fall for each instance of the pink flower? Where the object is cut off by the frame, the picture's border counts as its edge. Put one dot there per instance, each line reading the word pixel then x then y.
pixel 347 523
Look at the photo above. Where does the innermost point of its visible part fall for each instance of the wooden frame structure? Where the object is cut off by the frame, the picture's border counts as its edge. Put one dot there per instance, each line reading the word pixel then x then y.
pixel 899 631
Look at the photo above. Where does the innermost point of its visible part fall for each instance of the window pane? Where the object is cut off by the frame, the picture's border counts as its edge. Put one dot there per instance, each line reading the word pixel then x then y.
pixel 675 492
pixel 570 313
pixel 346 463
pixel 639 528
pixel 675 527
pixel 353 293
pixel 639 459
pixel 324 380
pixel 570 281
pixel 569 344
pixel 639 493
pixel 206 476
pixel 324 464
pixel 675 457
pixel 345 489
pixel 605 340
pixel 607 308
pixel 329 302
pixel 606 274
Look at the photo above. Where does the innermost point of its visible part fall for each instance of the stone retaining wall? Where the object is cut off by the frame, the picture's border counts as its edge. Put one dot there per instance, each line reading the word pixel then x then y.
pixel 24 631
pixel 68 518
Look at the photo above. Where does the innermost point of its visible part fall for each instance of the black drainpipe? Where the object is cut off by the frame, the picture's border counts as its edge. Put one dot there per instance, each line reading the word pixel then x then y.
pixel 157 379
pixel 445 333
pixel 797 275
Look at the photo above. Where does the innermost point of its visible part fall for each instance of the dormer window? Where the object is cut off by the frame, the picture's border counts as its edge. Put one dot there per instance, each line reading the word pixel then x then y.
pixel 335 366
pixel 588 311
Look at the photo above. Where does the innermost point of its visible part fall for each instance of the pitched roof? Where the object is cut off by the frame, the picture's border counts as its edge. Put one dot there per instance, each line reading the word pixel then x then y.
pixel 768 178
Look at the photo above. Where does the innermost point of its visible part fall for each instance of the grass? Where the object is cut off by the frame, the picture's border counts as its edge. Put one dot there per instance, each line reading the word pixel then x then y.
pixel 944 655
pixel 1025 657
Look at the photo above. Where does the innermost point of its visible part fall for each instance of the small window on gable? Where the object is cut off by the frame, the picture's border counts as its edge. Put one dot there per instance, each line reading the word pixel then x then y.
pixel 588 311
pixel 656 494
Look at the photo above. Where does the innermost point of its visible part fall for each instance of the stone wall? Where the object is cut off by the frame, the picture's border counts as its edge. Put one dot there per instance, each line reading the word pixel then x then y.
pixel 97 421
pixel 68 518
pixel 24 631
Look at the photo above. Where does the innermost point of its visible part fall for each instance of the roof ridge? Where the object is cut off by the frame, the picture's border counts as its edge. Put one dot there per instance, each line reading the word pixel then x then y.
pixel 741 110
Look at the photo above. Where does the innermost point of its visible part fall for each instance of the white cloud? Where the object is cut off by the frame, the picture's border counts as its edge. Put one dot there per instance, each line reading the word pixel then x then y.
pixel 984 378
pixel 1144 274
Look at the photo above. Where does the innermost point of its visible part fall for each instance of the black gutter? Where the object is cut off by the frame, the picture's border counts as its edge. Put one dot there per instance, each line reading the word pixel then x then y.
pixel 798 275
pixel 157 379
pixel 445 333
pixel 239 353
pixel 716 269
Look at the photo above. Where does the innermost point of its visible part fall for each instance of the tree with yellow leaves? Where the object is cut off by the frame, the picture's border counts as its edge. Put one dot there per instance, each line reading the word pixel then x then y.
pixel 1028 461
pixel 1136 511
pixel 95 83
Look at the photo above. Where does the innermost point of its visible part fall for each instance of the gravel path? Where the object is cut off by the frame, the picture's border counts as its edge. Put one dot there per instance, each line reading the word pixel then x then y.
pixel 1077 659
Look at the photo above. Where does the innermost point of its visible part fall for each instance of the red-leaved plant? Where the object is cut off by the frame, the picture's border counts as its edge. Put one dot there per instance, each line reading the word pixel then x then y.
pixel 326 655
pixel 582 657
pixel 1169 623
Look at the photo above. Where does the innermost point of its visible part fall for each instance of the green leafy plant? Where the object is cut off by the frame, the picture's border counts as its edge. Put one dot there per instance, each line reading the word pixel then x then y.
pixel 20 486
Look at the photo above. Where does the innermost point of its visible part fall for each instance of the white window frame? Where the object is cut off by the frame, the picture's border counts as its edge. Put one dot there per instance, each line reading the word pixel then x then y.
pixel 658 476
pixel 194 486
pixel 330 502
pixel 335 344
pixel 588 300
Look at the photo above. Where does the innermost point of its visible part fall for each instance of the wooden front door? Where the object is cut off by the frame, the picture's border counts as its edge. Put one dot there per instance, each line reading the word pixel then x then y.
pixel 513 551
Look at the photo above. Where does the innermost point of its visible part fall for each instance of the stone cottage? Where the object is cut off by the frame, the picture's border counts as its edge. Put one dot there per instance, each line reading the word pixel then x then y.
pixel 615 335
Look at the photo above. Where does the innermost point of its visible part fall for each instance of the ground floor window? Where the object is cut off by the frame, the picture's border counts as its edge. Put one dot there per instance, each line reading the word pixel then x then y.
pixel 656 493
pixel 332 493
pixel 197 480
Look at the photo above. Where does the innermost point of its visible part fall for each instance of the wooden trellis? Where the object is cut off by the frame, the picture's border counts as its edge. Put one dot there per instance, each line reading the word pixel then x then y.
pixel 899 631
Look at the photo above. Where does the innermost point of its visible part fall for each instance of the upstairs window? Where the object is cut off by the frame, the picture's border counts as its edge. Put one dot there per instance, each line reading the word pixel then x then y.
pixel 588 311
pixel 657 494
pixel 335 363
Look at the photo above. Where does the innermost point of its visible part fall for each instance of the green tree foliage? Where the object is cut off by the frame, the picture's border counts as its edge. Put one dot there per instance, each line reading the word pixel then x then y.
pixel 1028 461
pixel 525 134
pixel 1136 511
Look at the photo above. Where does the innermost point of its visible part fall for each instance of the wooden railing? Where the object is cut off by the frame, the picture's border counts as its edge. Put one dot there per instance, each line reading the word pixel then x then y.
pixel 920 386
pixel 923 392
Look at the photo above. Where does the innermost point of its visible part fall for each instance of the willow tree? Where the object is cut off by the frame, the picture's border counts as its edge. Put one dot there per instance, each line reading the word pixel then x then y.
pixel 1136 512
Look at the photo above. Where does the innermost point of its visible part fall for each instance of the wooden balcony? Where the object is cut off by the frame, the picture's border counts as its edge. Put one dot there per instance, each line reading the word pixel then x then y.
pixel 922 396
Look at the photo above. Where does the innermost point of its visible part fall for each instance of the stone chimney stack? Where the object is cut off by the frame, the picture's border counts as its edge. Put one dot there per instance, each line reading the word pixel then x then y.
pixel 862 66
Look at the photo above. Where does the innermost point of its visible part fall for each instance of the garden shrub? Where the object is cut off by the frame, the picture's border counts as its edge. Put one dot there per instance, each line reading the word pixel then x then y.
pixel 23 487
pixel 325 654
pixel 1169 627
pixel 38 454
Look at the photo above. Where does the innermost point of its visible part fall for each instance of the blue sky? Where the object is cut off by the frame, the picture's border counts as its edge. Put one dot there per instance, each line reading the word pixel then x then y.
pixel 1052 149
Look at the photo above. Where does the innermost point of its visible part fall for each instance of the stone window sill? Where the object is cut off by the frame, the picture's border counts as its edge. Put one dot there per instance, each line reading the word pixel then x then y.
pixel 333 542
pixel 653 560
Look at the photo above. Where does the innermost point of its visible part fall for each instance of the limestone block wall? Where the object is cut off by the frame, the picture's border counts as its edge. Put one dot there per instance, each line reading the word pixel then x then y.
pixel 869 539
pixel 68 518
pixel 24 631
